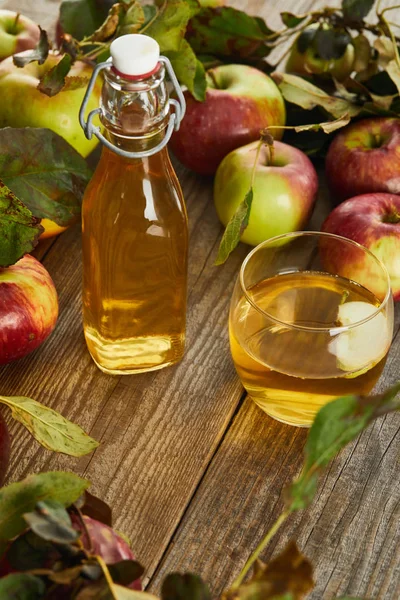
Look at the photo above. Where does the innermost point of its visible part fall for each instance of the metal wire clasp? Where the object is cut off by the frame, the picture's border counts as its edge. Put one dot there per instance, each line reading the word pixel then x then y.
pixel 173 123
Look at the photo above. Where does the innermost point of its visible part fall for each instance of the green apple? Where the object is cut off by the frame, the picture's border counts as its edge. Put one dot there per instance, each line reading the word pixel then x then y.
pixel 309 61
pixel 284 190
pixel 17 33
pixel 23 105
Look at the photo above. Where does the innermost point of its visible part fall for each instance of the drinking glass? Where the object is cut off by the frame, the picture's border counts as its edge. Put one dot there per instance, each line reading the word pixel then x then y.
pixel 311 319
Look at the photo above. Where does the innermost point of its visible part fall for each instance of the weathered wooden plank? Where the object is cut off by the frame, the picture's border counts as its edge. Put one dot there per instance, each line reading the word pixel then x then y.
pixel 351 532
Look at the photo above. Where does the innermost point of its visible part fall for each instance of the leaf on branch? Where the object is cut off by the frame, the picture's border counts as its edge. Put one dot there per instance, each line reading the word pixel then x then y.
pixel 291 20
pixel 53 81
pixel 383 102
pixel 21 586
pixel 39 53
pixel 336 424
pixel 81 18
pixel 393 70
pixel 51 522
pixel 227 31
pixel 169 27
pixel 356 10
pixel 386 50
pixel 289 575
pixel 75 82
pixel 327 127
pixel 235 228
pixel 49 428
pixel 134 19
pixel 297 90
pixel 189 70
pixel 51 179
pixel 177 586
pixel 108 28
pixel 123 593
pixel 28 551
pixel 19 229
pixel 19 498
pixel 125 572
pixel 305 39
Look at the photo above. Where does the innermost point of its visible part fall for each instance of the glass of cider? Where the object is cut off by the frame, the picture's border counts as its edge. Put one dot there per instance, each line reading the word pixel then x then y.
pixel 311 319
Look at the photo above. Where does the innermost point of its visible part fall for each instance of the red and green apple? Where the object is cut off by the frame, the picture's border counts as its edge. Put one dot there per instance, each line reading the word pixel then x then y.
pixel 23 105
pixel 17 33
pixel 309 62
pixel 28 308
pixel 365 157
pixel 372 220
pixel 284 190
pixel 240 101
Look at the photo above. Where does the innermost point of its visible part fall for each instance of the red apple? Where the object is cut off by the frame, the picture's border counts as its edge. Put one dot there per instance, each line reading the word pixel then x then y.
pixel 28 308
pixel 372 220
pixel 283 192
pixel 240 101
pixel 365 157
pixel 17 33
pixel 5 444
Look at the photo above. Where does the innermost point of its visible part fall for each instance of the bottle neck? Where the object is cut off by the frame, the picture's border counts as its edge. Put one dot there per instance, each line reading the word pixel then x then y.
pixel 134 113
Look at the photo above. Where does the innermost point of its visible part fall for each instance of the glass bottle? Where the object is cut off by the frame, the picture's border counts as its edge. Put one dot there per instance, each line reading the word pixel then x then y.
pixel 134 222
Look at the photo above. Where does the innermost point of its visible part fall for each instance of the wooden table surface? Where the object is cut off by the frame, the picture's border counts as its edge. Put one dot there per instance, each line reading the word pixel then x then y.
pixel 193 470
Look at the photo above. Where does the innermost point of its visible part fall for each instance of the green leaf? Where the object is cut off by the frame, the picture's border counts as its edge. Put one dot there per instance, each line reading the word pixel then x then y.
pixel 297 90
pixel 177 586
pixel 81 18
pixel 39 53
pixel 170 25
pixel 291 20
pixel 235 228
pixel 228 32
pixel 189 70
pixel 286 577
pixel 53 80
pixel 336 424
pixel 19 498
pixel 51 522
pixel 20 586
pixel 51 178
pixel 19 229
pixel 133 20
pixel 356 10
pixel 48 427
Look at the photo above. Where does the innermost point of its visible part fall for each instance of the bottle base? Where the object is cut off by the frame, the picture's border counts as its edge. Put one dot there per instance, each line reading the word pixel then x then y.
pixel 134 355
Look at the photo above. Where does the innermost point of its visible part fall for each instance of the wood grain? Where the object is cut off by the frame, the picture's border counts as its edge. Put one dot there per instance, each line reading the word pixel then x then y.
pixel 194 472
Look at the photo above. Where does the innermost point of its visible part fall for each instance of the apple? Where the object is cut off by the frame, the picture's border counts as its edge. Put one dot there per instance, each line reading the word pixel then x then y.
pixel 372 220
pixel 240 101
pixel 5 444
pixel 365 157
pixel 22 105
pixel 283 193
pixel 28 308
pixel 17 33
pixel 309 62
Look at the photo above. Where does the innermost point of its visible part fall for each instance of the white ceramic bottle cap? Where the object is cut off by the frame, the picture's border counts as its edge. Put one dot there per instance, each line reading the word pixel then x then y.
pixel 135 54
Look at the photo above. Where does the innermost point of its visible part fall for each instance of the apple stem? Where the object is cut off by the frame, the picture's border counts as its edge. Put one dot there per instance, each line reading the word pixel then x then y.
pixel 17 16
pixel 253 172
